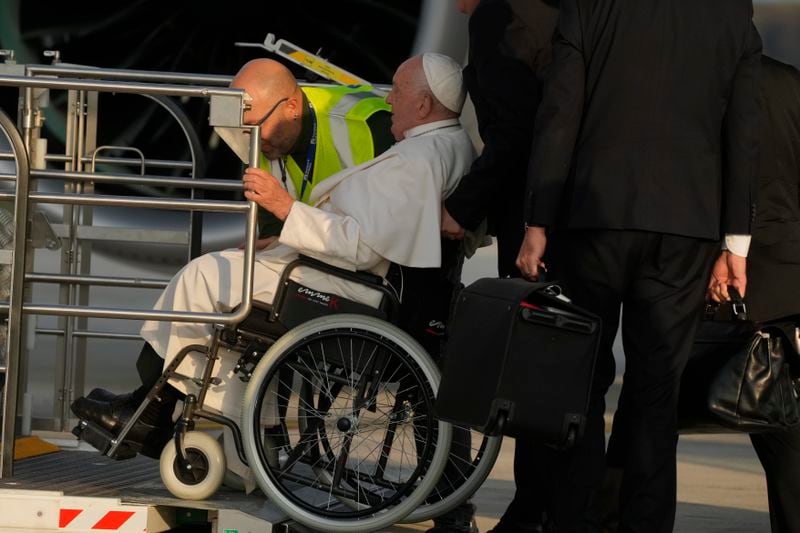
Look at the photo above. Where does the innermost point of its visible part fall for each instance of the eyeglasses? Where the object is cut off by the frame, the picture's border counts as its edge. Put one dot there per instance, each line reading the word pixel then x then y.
pixel 270 112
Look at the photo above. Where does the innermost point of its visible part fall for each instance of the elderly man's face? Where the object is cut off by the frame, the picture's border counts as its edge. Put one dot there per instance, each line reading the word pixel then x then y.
pixel 404 99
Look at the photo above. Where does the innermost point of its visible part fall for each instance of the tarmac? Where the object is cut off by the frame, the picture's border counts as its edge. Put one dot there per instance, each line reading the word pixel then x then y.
pixel 721 487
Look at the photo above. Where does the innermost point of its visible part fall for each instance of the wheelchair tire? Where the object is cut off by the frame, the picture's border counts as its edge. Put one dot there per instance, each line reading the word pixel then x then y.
pixel 208 459
pixel 330 354
pixel 459 488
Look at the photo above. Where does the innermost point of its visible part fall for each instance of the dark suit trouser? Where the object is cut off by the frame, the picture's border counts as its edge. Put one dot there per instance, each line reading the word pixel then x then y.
pixel 780 456
pixel 659 281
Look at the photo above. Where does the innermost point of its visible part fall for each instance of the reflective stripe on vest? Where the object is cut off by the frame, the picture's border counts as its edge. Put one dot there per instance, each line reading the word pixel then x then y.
pixel 343 137
pixel 340 128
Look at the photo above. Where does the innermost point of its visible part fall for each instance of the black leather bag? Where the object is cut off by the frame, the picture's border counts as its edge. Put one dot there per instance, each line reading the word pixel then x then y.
pixel 519 361
pixel 740 377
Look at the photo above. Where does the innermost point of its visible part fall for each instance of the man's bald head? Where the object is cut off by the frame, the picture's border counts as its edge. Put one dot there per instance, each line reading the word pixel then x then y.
pixel 266 80
pixel 274 90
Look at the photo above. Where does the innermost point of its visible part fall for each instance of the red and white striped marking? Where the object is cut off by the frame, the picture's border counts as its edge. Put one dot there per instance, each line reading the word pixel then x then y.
pixel 96 514
pixel 82 519
pixel 39 510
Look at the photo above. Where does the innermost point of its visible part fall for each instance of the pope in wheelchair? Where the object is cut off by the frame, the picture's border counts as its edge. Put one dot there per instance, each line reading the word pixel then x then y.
pixel 310 406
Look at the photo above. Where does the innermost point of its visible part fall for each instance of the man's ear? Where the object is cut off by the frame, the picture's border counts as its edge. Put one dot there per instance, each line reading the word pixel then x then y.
pixel 425 106
pixel 293 107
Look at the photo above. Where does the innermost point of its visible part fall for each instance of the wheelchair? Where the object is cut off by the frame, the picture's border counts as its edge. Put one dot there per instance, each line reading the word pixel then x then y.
pixel 338 422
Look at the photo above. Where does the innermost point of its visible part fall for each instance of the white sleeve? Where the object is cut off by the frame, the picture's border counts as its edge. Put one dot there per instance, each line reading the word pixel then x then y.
pixel 737 244
pixel 329 237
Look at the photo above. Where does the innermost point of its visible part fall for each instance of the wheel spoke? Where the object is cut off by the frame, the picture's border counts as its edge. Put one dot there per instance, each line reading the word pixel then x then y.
pixel 352 423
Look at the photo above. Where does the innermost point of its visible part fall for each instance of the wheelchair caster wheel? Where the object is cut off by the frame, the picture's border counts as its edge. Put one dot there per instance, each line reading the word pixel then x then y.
pixel 207 461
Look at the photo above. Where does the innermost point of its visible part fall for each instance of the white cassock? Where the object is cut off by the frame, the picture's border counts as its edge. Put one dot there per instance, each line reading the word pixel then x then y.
pixel 385 210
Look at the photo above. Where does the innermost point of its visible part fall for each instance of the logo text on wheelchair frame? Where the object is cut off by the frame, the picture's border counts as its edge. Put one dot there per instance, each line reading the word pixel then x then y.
pixel 318 297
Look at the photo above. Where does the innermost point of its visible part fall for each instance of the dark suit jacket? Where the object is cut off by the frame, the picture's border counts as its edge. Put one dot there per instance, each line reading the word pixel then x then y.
pixel 509 46
pixel 773 263
pixel 647 93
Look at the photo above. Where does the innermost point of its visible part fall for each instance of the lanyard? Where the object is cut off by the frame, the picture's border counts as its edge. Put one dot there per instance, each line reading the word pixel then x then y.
pixel 312 150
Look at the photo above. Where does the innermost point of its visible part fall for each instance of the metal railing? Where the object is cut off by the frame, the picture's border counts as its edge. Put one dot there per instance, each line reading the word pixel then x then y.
pixel 227 106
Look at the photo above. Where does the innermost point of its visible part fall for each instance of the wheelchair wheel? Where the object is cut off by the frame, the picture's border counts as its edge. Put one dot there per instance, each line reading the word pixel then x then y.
pixel 472 457
pixel 207 461
pixel 338 424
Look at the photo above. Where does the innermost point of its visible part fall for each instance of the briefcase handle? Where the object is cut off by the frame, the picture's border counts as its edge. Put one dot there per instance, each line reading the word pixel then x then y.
pixel 738 307
pixel 555 317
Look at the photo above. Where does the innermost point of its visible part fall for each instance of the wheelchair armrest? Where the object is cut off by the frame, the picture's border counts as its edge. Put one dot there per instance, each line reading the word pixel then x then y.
pixel 367 279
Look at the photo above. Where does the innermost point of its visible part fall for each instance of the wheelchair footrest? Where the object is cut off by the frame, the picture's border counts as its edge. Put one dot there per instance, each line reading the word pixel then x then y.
pixel 100 439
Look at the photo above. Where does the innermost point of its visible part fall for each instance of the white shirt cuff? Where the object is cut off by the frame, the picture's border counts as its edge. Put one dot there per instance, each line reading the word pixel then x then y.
pixel 737 244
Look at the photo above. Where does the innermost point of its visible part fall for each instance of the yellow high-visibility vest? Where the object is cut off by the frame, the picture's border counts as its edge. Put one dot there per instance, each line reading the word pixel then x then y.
pixel 343 137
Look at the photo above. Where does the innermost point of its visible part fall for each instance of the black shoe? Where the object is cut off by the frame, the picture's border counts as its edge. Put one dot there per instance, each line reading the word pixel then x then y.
pixel 108 415
pixel 459 520
pixel 149 434
pixel 103 395
pixel 106 408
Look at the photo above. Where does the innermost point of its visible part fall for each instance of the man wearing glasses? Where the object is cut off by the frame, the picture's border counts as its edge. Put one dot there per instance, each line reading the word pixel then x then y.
pixel 310 133
pixel 307 135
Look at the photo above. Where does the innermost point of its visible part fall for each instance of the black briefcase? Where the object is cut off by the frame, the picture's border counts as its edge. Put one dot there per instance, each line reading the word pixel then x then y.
pixel 519 361
pixel 740 376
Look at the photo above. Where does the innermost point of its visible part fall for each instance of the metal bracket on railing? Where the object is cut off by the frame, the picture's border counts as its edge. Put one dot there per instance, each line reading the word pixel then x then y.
pixel 9 65
pixel 42 233
pixel 226 110
pixel 109 147
pixel 54 54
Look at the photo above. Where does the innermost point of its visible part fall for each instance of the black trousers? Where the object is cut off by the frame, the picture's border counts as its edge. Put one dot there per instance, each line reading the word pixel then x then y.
pixel 150 365
pixel 659 281
pixel 780 456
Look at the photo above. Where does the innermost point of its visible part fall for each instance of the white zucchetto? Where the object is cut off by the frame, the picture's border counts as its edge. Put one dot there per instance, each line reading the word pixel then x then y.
pixel 445 80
